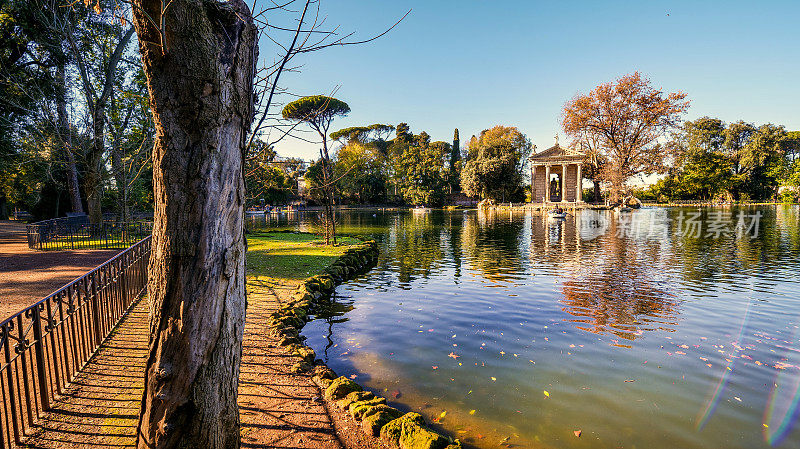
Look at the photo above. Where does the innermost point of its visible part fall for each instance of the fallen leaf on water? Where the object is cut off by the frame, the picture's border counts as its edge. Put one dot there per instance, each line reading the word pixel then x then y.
pixel 453 355
pixel 577 433
pixel 353 376
pixel 630 380
pixel 547 393
pixel 396 394
pixel 435 367
pixel 443 414
pixel 472 412
pixel 494 379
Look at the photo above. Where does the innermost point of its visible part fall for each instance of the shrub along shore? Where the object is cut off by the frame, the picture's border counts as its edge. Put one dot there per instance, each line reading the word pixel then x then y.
pixel 395 428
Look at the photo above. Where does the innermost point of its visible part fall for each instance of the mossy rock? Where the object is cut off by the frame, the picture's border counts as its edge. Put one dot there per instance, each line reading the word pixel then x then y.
pixel 300 367
pixel 327 283
pixel 357 409
pixel 307 354
pixel 287 331
pixel 300 313
pixel 377 417
pixel 324 383
pixel 323 372
pixel 391 432
pixel 341 387
pixel 312 285
pixel 286 341
pixel 414 436
pixel 289 321
pixel 382 408
pixel 356 396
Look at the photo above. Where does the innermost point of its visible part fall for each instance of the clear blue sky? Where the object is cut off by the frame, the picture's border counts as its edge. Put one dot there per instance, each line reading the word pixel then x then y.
pixel 475 64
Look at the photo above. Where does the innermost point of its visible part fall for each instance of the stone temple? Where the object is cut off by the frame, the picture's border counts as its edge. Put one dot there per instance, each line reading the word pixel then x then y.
pixel 556 175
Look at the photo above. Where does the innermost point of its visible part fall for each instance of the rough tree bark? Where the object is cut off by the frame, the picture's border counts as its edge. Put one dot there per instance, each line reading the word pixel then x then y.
pixel 199 59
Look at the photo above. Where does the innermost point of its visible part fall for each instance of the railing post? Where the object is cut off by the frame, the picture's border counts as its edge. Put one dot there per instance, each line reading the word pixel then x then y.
pixel 40 361
pixel 96 308
pixel 12 397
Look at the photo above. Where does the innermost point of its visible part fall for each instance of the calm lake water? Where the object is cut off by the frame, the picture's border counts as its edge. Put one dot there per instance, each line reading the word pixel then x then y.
pixel 662 328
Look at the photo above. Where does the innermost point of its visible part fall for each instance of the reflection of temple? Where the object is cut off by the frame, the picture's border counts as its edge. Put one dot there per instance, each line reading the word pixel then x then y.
pixel 556 175
pixel 610 284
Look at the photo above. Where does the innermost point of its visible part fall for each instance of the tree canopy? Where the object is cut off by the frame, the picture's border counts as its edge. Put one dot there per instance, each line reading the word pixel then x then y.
pixel 626 118
pixel 316 110
pixel 718 161
pixel 494 164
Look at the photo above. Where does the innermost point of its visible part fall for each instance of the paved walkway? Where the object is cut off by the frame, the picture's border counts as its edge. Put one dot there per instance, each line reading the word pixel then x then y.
pixel 28 275
pixel 278 409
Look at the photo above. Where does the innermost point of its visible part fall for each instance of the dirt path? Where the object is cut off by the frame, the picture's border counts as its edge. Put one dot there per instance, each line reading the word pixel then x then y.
pixel 278 409
pixel 27 276
pixel 100 409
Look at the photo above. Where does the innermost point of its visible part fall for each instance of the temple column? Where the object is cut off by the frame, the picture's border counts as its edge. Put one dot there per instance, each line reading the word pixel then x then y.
pixel 547 183
pixel 579 193
pixel 533 183
pixel 563 182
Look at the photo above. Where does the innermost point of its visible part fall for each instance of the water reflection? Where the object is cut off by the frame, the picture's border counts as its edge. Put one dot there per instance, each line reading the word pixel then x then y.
pixel 526 304
pixel 491 243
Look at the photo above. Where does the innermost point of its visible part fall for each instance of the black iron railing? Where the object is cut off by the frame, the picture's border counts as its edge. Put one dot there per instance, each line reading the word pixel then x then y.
pixel 45 345
pixel 66 234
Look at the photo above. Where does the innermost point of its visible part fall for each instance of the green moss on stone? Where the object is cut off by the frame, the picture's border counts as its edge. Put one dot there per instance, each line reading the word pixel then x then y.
pixel 341 387
pixel 391 432
pixel 415 436
pixel 306 353
pixel 356 396
pixel 357 409
pixel 377 417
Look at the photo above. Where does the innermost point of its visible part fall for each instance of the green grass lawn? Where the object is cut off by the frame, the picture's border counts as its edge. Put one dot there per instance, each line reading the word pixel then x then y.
pixel 290 255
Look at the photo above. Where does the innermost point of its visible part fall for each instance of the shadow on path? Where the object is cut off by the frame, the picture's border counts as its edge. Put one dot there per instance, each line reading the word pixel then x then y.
pixel 278 409
pixel 100 408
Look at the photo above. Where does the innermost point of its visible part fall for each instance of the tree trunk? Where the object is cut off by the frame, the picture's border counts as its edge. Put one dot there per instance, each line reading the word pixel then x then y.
pixel 94 166
pixel 200 80
pixel 118 169
pixel 327 176
pixel 66 140
pixel 596 186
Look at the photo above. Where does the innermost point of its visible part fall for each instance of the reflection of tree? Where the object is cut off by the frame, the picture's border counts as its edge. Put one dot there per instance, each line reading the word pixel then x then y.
pixel 619 291
pixel 333 312
pixel 454 223
pixel 415 247
pixel 491 242
pixel 707 259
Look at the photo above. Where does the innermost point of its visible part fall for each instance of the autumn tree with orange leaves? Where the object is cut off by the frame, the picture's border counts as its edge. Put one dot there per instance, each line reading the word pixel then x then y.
pixel 623 121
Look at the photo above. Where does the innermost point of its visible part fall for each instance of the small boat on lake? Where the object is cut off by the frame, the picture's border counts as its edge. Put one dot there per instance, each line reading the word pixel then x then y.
pixel 557 215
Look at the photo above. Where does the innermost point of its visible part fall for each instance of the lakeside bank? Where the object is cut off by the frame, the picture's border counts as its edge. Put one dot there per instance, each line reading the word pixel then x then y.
pixel 346 401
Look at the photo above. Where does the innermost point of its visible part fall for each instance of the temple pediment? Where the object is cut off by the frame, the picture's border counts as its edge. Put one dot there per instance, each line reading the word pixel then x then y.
pixel 557 155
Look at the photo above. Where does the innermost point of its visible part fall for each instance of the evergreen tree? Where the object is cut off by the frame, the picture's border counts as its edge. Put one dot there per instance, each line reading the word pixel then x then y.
pixel 455 163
